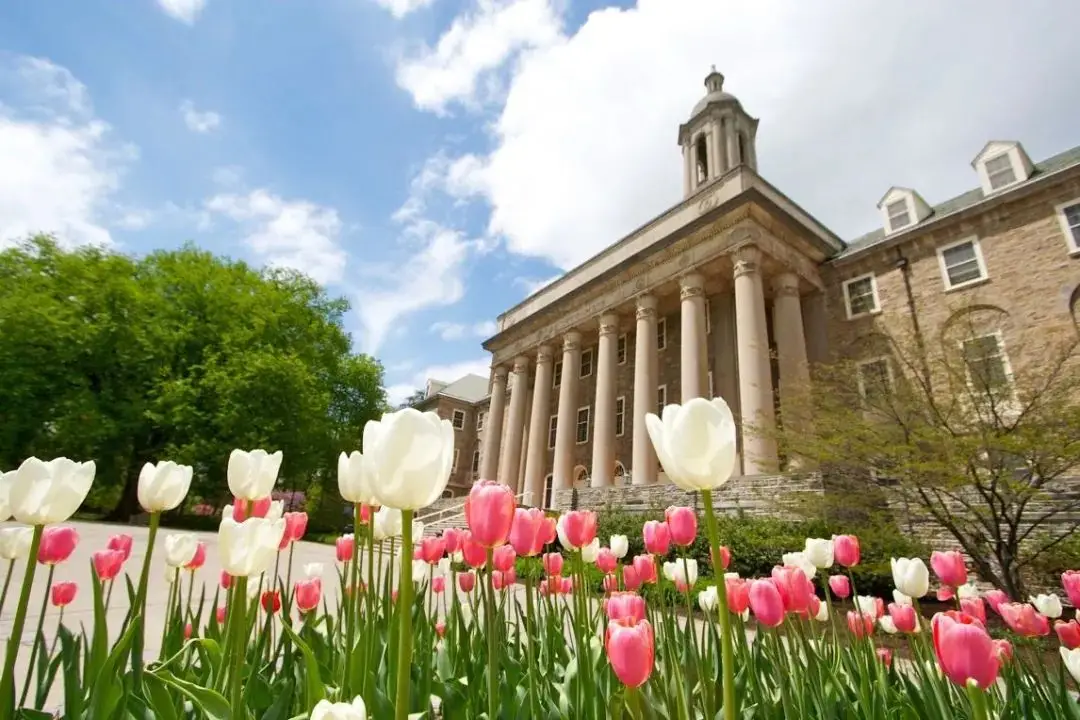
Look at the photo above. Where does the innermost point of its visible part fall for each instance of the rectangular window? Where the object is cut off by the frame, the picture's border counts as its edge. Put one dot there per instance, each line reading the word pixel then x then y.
pixel 620 416
pixel 556 374
pixel 453 468
pixel 1069 215
pixel 480 416
pixel 961 264
pixel 661 399
pixel 661 333
pixel 459 419
pixel 582 425
pixel 860 296
pixel 476 461
pixel 986 364
pixel 586 363
pixel 712 393
pixel 553 423
pixel 1000 171
pixel 875 380
pixel 708 316
pixel 898 214
pixel 620 349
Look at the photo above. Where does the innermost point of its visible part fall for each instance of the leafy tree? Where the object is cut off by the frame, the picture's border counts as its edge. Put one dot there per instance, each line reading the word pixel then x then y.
pixel 416 397
pixel 179 355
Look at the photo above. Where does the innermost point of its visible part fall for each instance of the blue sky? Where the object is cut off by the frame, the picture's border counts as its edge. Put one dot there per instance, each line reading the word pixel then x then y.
pixel 437 160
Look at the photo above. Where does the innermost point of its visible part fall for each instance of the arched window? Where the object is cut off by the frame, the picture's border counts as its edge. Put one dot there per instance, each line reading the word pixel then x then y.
pixel 620 474
pixel 547 491
pixel 702 168
pixel 581 477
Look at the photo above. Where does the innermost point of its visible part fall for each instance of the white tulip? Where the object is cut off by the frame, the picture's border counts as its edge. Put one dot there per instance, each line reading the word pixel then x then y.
pixel 180 548
pixel 313 570
pixel 47 493
pixel 355 476
pixel 252 475
pixel 799 560
pixel 326 710
pixel 249 548
pixel 967 591
pixel 819 552
pixel 1071 658
pixel 411 453
pixel 387 523
pixel 1048 605
pixel 911 576
pixel 695 443
pixel 866 604
pixel 708 600
pixel 15 542
pixel 731 576
pixel 6 479
pixel 619 545
pixel 822 612
pixel 276 511
pixel 417 530
pixel 678 572
pixel 459 557
pixel 163 486
pixel 444 568
pixel 885 622
pixel 420 571
pixel 170 574
pixel 590 551
pixel 901 599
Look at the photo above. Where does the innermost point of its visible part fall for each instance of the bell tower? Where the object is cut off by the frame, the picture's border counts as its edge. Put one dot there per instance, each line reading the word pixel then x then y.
pixel 718 137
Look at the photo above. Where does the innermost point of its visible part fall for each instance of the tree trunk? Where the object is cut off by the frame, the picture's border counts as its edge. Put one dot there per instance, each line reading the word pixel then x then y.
pixel 128 504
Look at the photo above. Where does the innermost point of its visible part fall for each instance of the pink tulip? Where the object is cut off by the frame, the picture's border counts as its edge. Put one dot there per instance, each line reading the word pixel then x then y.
pixel 503 558
pixel 547 586
pixel 345 545
pixel 840 586
pixel 308 594
pixel 108 563
pixel 243 509
pixel 610 583
pixel 964 650
pixel 578 528
pixel 474 553
pixel 566 585
pixel 738 595
pixel 725 558
pixel 219 614
pixel 271 601
pixel 553 563
pixel 1024 620
pixel 903 617
pixel 366 512
pixel 440 628
pixel 528 533
pixel 548 531
pixel 1003 650
pixel 846 550
pixel 794 587
pixel 949 567
pixel 683 524
pixel 630 650
pixel 122 543
pixel 645 566
pixel 417 554
pixel 975 608
pixel 1070 582
pixel 657 537
pixel 57 544
pixel 766 603
pixel 453 538
pixel 198 558
pixel 226 580
pixel 945 593
pixel 994 598
pixel 860 624
pixel 885 656
pixel 1068 633
pixel 438 585
pixel 489 512
pixel 63 593
pixel 432 549
pixel 187 631
pixel 630 578
pixel 501 580
pixel 606 561
pixel 625 606
pixel 466 581
pixel 295 527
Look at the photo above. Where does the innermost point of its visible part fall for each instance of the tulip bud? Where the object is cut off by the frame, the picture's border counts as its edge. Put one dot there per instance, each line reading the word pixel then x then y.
pixel 248 548
pixel 344 545
pixel 885 656
pixel 619 545
pixel 313 570
pixel 356 476
pixel 1071 660
pixel 271 601
pixel 503 558
pixel 474 553
pixel 610 584
pixel 490 514
pixel 308 594
pixel 164 486
pixel 738 595
pixel 576 529
pixel 529 531
pixel 187 631
pixel 965 651
pixel 695 443
pixel 466 582
pixel 975 608
pixel 219 615
pixel 994 598
pixel 904 617
pixel 683 525
pixel 122 543
pixel 438 585
pixel 57 544
pixel 107 563
pixel 657 537
pixel 198 558
pixel 440 628
pixel 326 710
pixel 1048 605
pixel 387 524
pixel 708 599
pixel 949 566
pixel 15 542
pixel 911 576
pixel 606 561
pixel 766 603
pixel 180 549
pixel 819 552
pixel 631 579
pixel 801 561
pixel 630 649
pixel 645 566
pixel 682 572
pixel 226 580
pixel 48 493
pixel 1070 582
pixel 1023 619
pixel 412 454
pixel 553 563
pixel 252 475
pixel 63 593
pixel 846 550
pixel 840 586
pixel 860 624
pixel 295 527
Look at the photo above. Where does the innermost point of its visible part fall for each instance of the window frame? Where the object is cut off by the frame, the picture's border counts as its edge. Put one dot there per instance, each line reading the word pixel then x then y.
pixel 661 390
pixel 587 352
pixel 708 317
pixel 454 465
pixel 475 461
pixel 556 374
pixel 1072 241
pixel 1006 365
pixel 553 431
pixel 661 333
pixel 1008 156
pixel 624 342
pixel 620 416
pixel 454 419
pixel 481 415
pixel 846 285
pixel 979 260
pixel 905 201
pixel 577 424
pixel 860 378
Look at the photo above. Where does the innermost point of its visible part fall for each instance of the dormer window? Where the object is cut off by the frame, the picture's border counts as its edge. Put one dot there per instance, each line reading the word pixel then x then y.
pixel 902 208
pixel 1000 172
pixel 898 214
pixel 1002 164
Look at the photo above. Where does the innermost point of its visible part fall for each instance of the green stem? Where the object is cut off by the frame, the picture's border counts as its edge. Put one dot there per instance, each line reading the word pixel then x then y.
pixel 139 641
pixel 7 582
pixel 351 602
pixel 108 595
pixel 489 616
pixel 727 646
pixel 978 702
pixel 633 701
pixel 174 598
pixel 190 587
pixel 7 680
pixel 239 642
pixel 37 636
pixel 405 599
pixel 369 595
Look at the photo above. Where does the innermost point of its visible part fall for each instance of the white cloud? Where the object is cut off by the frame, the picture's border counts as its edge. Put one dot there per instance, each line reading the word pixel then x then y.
pixel 585 144
pixel 135 219
pixel 459 68
pixel 399 391
pixel 60 164
pixel 401 8
pixel 297 234
pixel 460 331
pixel 199 121
pixel 186 11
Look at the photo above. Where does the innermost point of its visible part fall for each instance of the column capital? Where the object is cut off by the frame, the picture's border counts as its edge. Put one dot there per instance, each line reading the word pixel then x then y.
pixel 609 324
pixel 521 364
pixel 747 259
pixel 500 372
pixel 544 354
pixel 646 306
pixel 571 341
pixel 786 284
pixel 691 285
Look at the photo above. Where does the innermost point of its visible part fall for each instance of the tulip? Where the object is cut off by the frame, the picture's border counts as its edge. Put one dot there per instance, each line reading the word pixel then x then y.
pixel 387 523
pixel 964 650
pixel 695 443
pixel 503 558
pixel 225 580
pixel 295 527
pixel 975 608
pixel 606 561
pixel 15 542
pixel 766 603
pixel 501 580
pixel 528 532
pixel 313 570
pixel 630 578
pixel 1003 650
pixel 576 529
pixel 1070 582
pixel 219 615
pixel 187 631
pixel 870 605
pixel 840 586
pixel 657 537
pixel 1024 620
pixel 619 545
pixel 107 563
pixel 412 454
pixel 800 561
pixel 326 710
pixel 645 567
pixel 271 601
pixel 911 576
pixel 708 599
pixel 566 585
pixel 738 595
pixel 590 551
pixel 63 593
pixel 474 553
pixel 846 550
pixel 625 606
pixel 682 522
pixel 431 549
pixel 860 624
pixel 819 552
pixel 967 591
pixel 122 543
pixel 438 584
pixel 725 559
pixel 901 599
pixel 249 548
pixel 1068 633
pixel 344 547
pixel 904 617
pixel 308 594
pixel 180 549
pixel 682 572
pixel 949 567
pixel 356 478
pixel 163 486
pixel 48 493
pixel 1048 605
pixel 553 563
pixel 466 582
pixel 5 505
pixel 57 544
pixel 630 650
pixel 252 475
pixel 885 656
pixel 886 623
pixel 1071 659
pixel 994 598
pixel 440 628
pixel 489 513
pixel 198 558
pixel 794 588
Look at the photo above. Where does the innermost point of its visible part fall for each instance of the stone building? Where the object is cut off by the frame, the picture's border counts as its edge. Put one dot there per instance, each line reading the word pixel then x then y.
pixel 736 291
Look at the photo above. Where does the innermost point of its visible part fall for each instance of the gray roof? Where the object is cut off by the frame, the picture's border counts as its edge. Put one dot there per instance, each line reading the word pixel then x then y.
pixel 965 200
pixel 470 388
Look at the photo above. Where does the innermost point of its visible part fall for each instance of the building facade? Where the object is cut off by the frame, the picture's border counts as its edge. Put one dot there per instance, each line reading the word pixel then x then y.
pixel 736 291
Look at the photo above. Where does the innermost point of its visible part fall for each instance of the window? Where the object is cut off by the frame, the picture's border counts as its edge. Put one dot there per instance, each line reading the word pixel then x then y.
pixel 553 422
pixel 987 366
pixel 661 399
pixel 582 425
pixel 556 374
pixel 453 468
pixel 712 394
pixel 476 461
pixel 961 264
pixel 620 416
pixel 459 419
pixel 1069 215
pixel 480 417
pixel 620 349
pixel 548 485
pixel 586 363
pixel 661 333
pixel 898 214
pixel 875 380
pixel 860 296
pixel 999 170
pixel 708 316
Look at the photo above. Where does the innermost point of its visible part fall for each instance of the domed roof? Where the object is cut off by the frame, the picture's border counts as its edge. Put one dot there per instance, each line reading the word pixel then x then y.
pixel 714 85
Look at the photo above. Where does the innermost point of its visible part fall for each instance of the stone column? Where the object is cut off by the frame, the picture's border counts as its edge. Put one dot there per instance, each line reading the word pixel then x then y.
pixel 694 366
pixel 718 150
pixel 603 454
pixel 790 348
pixel 566 427
pixel 688 169
pixel 536 455
pixel 710 170
pixel 515 424
pixel 693 165
pixel 733 145
pixel 721 144
pixel 644 469
pixel 489 458
pixel 755 373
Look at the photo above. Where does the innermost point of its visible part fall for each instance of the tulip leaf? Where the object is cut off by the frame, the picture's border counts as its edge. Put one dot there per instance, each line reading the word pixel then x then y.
pixel 162 702
pixel 208 701
pixel 70 647
pixel 107 692
pixel 30 714
pixel 99 647
pixel 282 705
pixel 314 690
